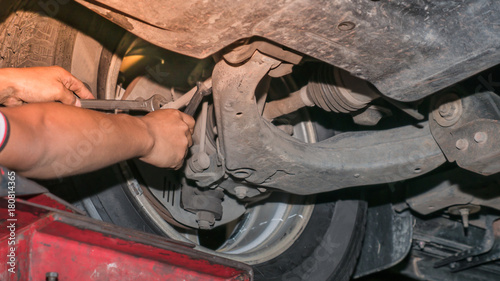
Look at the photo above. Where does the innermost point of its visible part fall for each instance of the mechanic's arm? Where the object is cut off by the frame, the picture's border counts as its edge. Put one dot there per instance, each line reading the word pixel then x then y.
pixel 40 84
pixel 49 140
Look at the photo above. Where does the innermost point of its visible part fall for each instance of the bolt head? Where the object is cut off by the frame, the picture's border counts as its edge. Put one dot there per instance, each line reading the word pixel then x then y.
pixel 241 191
pixel 205 219
pixel 480 137
pixel 446 110
pixel 462 144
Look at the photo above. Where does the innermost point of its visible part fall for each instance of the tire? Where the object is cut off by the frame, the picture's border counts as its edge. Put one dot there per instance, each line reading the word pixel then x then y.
pixel 330 241
pixel 327 249
pixel 29 37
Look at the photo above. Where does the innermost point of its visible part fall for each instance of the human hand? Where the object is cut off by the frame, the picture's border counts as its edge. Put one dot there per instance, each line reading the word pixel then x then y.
pixel 40 84
pixel 172 136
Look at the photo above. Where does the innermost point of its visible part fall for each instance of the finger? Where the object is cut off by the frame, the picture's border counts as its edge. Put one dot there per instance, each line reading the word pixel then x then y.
pixel 11 102
pixel 190 140
pixel 75 85
pixel 181 163
pixel 189 121
pixel 67 97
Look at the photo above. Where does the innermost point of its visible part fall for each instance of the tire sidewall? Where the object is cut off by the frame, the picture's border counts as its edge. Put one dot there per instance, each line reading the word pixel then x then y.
pixel 326 250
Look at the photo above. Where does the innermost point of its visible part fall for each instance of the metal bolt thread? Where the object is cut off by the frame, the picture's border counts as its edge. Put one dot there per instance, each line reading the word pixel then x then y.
pixel 465 217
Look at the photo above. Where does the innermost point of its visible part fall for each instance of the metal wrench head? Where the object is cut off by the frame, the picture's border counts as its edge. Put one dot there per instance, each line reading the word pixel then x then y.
pixel 197 98
pixel 155 102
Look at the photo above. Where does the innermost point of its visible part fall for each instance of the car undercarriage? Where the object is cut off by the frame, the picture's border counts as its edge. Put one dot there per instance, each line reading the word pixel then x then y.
pixel 340 139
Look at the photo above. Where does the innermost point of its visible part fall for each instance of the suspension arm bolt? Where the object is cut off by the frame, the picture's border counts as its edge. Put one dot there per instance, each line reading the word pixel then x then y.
pixel 462 144
pixel 480 137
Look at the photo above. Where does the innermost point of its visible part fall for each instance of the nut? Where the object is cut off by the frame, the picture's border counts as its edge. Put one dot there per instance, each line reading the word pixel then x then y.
pixel 205 219
pixel 448 109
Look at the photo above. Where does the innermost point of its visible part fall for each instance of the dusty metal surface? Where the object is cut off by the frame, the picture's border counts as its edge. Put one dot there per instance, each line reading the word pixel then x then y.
pixel 258 153
pixel 407 49
pixel 433 193
pixel 473 141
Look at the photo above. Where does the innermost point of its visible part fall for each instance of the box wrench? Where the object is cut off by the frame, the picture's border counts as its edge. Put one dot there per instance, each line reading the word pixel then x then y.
pixel 154 103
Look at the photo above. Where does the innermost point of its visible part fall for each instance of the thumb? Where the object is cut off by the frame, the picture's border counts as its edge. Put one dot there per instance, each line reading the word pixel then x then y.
pixel 74 85
pixel 77 86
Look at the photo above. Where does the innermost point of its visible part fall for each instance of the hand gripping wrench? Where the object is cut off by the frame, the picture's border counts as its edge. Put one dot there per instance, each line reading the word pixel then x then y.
pixel 153 103
pixel 149 105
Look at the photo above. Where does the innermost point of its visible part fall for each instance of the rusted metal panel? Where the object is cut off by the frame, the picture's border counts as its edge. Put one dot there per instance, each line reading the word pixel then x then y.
pixel 472 139
pixel 407 49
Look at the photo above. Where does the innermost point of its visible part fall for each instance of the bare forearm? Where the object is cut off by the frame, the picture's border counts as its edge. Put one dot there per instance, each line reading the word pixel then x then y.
pixel 54 140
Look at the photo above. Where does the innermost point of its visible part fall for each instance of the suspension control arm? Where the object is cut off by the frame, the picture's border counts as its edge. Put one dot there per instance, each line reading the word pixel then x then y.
pixel 258 153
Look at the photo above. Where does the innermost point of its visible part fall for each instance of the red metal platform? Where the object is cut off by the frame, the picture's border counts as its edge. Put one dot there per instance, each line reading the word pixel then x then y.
pixel 56 239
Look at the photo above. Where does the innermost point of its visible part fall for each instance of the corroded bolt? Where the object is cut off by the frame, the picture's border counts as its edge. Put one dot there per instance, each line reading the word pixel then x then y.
pixel 462 144
pixel 241 191
pixel 464 212
pixel 480 137
pixel 205 219
pixel 447 110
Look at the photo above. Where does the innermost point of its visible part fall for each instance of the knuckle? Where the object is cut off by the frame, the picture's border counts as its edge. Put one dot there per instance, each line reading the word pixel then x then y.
pixel 185 127
pixel 59 69
pixel 185 142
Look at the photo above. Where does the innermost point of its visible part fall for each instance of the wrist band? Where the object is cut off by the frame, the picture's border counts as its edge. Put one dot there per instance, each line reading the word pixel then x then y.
pixel 4 130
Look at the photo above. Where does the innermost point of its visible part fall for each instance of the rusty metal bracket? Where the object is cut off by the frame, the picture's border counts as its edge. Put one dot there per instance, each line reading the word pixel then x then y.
pixel 472 140
pixel 258 153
